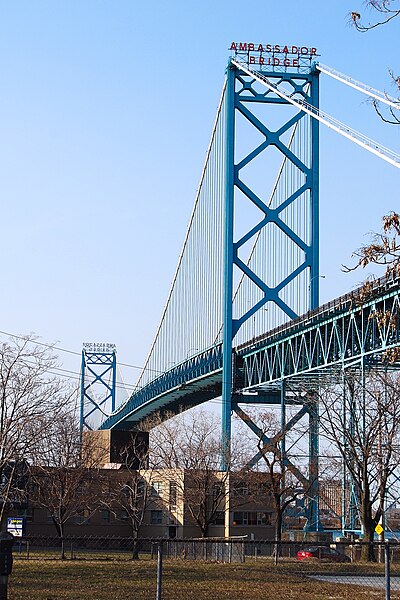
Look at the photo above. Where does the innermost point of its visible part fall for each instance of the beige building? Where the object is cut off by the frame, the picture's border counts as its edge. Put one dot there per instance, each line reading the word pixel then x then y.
pixel 188 504
pixel 173 503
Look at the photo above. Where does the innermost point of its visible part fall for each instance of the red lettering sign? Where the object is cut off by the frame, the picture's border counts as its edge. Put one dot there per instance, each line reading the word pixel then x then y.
pixel 269 48
pixel 266 54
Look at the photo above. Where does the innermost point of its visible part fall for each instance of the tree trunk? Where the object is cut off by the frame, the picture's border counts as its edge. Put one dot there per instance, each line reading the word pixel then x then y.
pixel 135 547
pixel 278 533
pixel 60 532
pixel 367 548
pixel 204 531
pixel 278 526
pixel 62 548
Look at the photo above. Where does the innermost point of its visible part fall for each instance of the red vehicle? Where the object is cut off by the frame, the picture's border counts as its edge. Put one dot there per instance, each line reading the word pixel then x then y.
pixel 322 553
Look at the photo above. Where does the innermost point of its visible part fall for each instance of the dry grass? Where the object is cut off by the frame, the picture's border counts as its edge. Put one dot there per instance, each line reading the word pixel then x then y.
pixel 115 580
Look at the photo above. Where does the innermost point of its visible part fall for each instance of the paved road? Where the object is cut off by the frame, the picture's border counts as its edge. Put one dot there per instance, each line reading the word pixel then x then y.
pixel 366 581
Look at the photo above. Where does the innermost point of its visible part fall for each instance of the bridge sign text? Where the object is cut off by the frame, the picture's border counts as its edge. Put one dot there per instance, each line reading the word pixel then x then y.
pixel 274 55
pixel 101 347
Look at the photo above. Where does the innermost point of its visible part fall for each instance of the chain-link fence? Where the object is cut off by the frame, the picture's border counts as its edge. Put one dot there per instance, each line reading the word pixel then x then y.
pixel 121 568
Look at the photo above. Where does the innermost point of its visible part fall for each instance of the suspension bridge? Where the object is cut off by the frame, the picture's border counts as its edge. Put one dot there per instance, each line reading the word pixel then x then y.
pixel 242 320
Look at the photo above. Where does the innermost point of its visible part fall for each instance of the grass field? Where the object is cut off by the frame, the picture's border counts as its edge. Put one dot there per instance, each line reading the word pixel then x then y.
pixel 116 580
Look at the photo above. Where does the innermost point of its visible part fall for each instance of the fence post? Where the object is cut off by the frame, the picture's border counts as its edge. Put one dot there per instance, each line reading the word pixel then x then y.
pixel 387 571
pixel 159 569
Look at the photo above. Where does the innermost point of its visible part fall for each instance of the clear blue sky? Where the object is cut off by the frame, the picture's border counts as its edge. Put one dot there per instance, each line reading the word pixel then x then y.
pixel 106 109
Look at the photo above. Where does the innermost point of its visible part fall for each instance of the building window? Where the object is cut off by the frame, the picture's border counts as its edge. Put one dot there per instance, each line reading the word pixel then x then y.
pixel 124 516
pixel 238 518
pixel 264 518
pixel 252 518
pixel 156 517
pixel 219 518
pixel 240 488
pixel 140 488
pixel 263 489
pixel 218 489
pixel 28 515
pixel 105 516
pixel 172 495
pixel 126 489
pixel 83 516
pixel 157 488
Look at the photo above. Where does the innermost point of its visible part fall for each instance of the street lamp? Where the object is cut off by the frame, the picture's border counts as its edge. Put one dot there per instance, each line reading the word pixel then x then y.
pixel 315 277
pixel 254 321
pixel 311 303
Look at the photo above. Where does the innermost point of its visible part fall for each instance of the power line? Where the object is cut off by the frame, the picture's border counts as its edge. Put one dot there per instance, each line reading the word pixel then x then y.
pixel 76 376
pixel 54 347
pixel 67 373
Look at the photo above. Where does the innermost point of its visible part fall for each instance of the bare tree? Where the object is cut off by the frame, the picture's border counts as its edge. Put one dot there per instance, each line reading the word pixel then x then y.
pixel 285 482
pixel 385 11
pixel 284 487
pixel 29 392
pixel 128 495
pixel 192 444
pixel 362 420
pixel 61 479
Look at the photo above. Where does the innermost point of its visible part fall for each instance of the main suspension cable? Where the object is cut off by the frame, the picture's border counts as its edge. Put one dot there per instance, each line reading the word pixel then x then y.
pixel 358 138
pixel 357 85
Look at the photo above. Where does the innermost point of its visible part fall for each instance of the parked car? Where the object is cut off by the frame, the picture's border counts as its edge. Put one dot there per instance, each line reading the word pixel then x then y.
pixel 322 553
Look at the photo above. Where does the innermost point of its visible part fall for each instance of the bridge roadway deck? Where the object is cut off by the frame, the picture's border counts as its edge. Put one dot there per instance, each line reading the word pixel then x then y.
pixel 310 350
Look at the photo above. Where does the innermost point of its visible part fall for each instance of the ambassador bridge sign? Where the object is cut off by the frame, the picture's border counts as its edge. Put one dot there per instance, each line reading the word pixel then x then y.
pixel 274 55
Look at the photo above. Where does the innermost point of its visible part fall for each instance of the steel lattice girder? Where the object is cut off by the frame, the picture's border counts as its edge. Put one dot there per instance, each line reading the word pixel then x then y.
pixel 341 333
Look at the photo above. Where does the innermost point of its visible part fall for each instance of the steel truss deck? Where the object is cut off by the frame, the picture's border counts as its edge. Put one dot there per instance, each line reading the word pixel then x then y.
pixel 360 326
pixel 311 350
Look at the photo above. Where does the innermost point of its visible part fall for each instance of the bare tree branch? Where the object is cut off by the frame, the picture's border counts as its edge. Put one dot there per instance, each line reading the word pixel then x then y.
pixel 382 7
pixel 29 395
pixel 383 249
pixel 362 420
